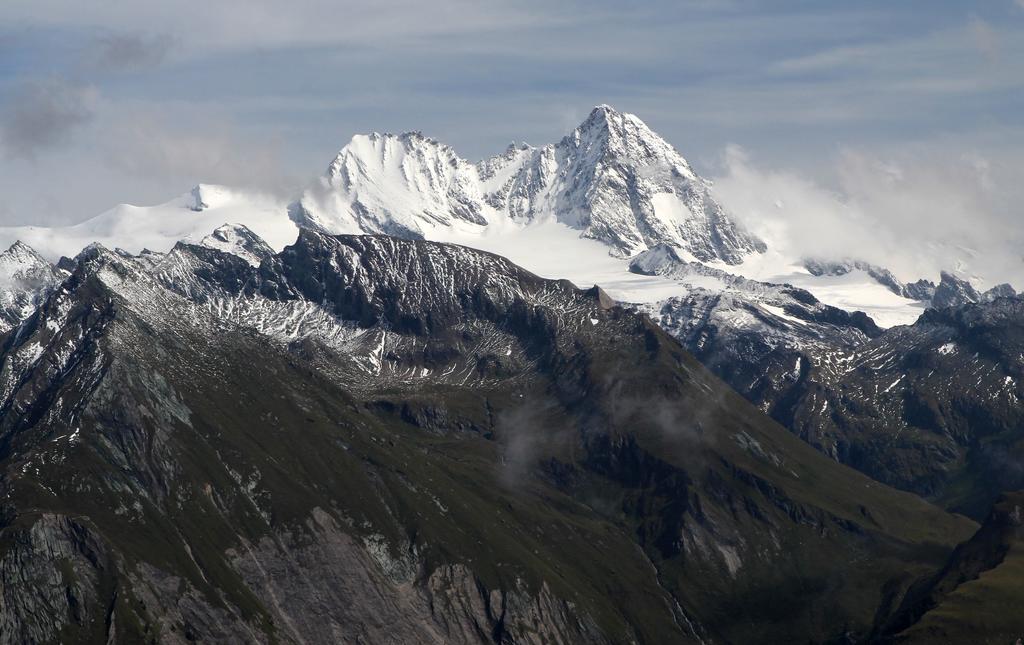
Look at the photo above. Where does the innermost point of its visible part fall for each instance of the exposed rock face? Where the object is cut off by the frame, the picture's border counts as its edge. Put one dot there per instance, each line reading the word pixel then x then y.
pixel 999 291
pixel 764 340
pixel 921 290
pixel 369 439
pixel 933 407
pixel 880 274
pixel 450 605
pixel 54 571
pixel 953 291
pixel 612 178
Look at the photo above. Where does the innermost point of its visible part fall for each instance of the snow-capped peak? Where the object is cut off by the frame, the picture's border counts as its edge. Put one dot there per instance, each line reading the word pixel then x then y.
pixel 400 184
pixel 624 134
pixel 237 239
pixel 25 279
pixel 21 259
pixel 19 256
pixel 612 178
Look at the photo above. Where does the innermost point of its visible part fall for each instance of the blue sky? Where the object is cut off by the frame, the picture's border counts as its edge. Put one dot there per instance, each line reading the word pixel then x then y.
pixel 107 102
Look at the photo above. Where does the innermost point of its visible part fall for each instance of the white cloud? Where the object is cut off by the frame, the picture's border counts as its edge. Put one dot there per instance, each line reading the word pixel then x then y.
pixel 914 214
pixel 941 60
pixel 984 36
pixel 154 147
pixel 206 26
pixel 139 153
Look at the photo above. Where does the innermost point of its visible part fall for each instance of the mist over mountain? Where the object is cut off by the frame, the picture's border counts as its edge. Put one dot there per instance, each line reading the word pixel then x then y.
pixel 917 213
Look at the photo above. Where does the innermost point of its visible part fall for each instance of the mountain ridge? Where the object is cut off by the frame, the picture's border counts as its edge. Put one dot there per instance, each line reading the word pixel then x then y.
pixel 406 429
pixel 576 181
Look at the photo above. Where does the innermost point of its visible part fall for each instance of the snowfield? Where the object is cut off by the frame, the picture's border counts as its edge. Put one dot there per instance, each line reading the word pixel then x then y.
pixel 854 291
pixel 190 217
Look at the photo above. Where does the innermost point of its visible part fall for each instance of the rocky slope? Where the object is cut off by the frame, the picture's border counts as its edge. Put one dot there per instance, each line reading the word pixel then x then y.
pixel 933 407
pixel 365 439
pixel 761 338
pixel 975 597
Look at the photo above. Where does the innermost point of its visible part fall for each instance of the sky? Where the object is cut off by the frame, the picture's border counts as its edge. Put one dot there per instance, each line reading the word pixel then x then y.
pixel 901 117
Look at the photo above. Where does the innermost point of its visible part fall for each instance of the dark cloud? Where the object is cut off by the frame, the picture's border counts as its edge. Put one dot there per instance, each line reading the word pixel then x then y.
pixel 129 52
pixel 44 114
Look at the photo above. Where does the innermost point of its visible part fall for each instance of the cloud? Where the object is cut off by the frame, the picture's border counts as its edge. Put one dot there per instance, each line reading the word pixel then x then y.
pixel 233 25
pixel 43 114
pixel 927 210
pixel 152 146
pixel 128 52
pixel 140 153
pixel 942 60
pixel 984 37
pixel 527 433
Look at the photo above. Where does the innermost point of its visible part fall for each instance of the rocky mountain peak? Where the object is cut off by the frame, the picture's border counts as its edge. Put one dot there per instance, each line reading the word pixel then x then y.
pixel 239 240
pixel 625 137
pixel 367 152
pixel 1003 290
pixel 20 259
pixel 404 184
pixel 366 278
pixel 603 120
pixel 655 259
pixel 612 178
pixel 953 291
pixel 20 250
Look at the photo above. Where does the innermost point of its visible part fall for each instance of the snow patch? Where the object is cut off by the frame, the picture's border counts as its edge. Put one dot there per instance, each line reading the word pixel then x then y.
pixel 781 313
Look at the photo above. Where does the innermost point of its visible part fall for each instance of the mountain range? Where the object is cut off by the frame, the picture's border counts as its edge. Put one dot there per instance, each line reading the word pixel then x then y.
pixel 558 395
